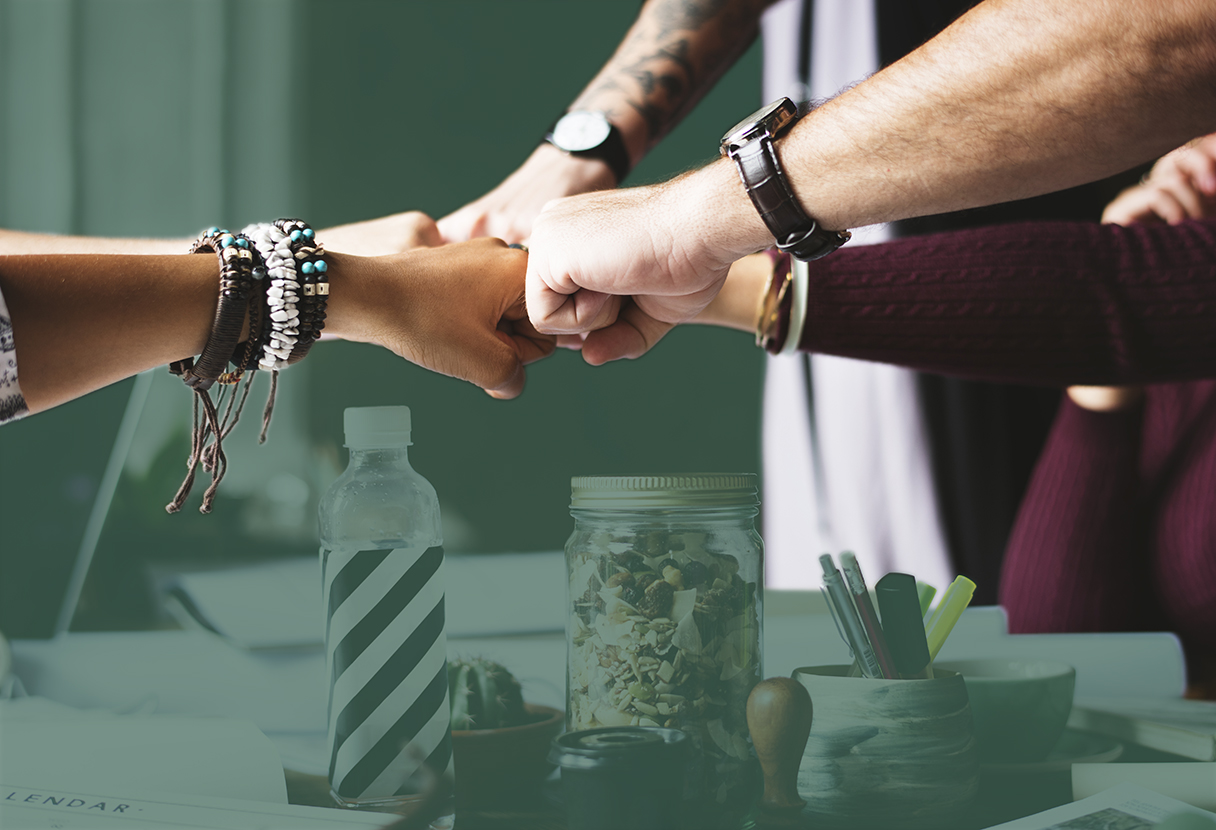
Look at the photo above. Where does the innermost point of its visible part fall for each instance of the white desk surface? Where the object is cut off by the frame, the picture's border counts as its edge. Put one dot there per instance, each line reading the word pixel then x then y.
pixel 192 672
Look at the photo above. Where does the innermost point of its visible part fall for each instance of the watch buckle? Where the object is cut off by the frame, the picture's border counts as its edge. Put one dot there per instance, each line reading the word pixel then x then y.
pixel 827 243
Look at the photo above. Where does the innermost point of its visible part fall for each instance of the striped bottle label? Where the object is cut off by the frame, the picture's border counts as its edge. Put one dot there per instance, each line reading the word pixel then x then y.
pixel 386 659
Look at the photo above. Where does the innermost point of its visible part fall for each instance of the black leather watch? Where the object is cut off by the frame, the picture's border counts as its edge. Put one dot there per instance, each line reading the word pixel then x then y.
pixel 588 134
pixel 751 144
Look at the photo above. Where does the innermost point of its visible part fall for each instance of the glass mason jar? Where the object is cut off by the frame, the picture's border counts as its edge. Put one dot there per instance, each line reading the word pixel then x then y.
pixel 666 578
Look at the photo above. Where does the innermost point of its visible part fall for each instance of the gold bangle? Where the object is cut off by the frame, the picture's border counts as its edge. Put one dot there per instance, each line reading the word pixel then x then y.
pixel 770 302
pixel 762 302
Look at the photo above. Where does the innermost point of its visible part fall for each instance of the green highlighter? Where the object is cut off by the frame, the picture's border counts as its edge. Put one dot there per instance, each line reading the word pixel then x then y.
pixel 956 599
pixel 925 593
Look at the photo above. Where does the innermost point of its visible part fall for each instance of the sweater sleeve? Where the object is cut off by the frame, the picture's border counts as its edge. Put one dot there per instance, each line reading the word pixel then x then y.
pixel 1077 556
pixel 1051 303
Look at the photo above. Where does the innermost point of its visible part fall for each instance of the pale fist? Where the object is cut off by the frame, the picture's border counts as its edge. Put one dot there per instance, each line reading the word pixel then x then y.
pixel 1181 185
pixel 386 235
pixel 589 253
pixel 509 210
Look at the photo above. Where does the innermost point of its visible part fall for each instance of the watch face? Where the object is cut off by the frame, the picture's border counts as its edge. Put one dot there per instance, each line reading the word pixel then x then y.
pixel 580 130
pixel 770 120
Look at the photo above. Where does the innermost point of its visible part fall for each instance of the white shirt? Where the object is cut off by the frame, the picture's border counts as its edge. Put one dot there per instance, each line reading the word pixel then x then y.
pixel 877 491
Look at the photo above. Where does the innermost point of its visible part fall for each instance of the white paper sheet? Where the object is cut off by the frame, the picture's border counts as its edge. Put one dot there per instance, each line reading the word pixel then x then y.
pixel 1126 806
pixel 202 756
pixel 278 604
pixel 42 808
pixel 1177 725
pixel 176 672
pixel 271 604
pixel 1190 782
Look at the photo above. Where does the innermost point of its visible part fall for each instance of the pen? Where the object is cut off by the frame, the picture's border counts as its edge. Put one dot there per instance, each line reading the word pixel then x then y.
pixel 869 617
pixel 903 625
pixel 954 601
pixel 925 592
pixel 848 618
pixel 854 670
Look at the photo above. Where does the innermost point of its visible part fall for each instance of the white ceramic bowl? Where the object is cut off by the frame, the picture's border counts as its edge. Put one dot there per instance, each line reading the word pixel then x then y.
pixel 1019 707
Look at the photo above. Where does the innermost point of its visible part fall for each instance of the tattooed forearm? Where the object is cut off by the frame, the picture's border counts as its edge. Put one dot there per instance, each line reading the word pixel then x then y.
pixel 688 14
pixel 653 92
pixel 671 57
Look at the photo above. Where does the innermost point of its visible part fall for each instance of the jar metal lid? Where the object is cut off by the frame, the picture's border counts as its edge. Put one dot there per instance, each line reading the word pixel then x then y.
pixel 618 746
pixel 656 491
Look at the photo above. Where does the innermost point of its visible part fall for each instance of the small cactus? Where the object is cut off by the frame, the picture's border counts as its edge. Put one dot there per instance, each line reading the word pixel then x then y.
pixel 484 695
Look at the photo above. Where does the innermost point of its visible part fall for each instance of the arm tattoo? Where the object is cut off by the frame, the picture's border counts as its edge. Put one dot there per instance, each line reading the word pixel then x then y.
pixel 675 53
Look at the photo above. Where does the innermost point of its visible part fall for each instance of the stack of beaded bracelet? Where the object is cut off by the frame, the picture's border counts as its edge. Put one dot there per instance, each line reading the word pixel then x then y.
pixel 297 293
pixel 282 293
pixel 295 318
pixel 312 272
pixel 285 319
pixel 236 285
pixel 240 270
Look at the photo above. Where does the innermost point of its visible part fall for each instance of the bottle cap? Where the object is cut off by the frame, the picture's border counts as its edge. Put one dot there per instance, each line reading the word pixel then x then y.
pixel 377 427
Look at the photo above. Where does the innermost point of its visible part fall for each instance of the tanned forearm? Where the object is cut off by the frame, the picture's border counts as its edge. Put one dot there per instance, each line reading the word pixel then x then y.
pixel 81 322
pixel 672 56
pixel 1017 98
pixel 84 321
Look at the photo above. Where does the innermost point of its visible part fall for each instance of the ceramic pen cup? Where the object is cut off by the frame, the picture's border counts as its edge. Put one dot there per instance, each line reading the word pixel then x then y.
pixel 891 754
pixel 1019 707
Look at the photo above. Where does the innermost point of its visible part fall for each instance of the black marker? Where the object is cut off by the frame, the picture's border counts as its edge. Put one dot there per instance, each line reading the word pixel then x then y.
pixel 903 626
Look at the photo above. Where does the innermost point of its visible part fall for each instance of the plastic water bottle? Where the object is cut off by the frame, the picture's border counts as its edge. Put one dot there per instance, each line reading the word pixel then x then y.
pixel 386 652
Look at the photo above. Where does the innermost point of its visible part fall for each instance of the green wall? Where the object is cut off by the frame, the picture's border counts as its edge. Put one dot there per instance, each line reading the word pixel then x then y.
pixel 158 117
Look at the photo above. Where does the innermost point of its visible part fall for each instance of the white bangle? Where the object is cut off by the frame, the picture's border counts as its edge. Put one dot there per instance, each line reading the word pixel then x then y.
pixel 282 294
pixel 800 278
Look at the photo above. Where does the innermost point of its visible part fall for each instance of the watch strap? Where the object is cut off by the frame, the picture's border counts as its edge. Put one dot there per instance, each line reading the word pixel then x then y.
pixel 611 151
pixel 796 233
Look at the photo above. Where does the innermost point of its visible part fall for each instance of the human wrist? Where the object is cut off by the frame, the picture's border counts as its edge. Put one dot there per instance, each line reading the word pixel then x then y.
pixel 581 175
pixel 353 295
pixel 717 213
pixel 735 305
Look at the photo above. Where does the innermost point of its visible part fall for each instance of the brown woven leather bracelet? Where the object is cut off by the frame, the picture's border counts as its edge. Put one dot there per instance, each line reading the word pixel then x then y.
pixel 236 282
pixel 237 264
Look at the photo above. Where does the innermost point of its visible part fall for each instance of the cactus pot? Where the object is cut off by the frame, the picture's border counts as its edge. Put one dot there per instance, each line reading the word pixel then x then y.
pixel 504 764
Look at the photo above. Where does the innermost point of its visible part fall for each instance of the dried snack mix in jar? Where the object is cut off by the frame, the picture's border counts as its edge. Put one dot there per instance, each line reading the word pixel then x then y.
pixel 665 616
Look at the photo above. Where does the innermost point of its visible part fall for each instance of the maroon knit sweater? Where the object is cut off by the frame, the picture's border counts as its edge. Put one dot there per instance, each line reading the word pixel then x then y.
pixel 1042 303
pixel 1118 527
